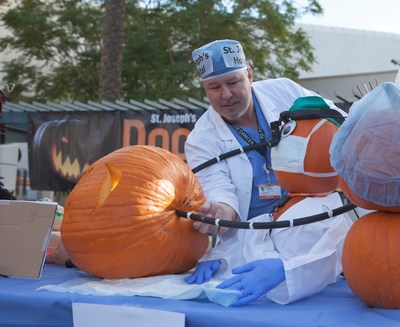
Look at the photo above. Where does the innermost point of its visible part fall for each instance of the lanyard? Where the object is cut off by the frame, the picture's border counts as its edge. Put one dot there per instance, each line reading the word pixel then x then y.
pixel 262 151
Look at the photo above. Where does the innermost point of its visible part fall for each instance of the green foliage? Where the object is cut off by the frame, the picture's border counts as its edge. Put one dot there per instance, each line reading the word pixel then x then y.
pixel 58 44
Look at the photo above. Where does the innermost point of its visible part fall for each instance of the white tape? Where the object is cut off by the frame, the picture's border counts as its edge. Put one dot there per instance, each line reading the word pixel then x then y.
pixel 327 210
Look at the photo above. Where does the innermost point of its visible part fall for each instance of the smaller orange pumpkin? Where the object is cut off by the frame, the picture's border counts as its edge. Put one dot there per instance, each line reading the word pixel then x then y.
pixel 318 175
pixel 288 204
pixel 371 259
pixel 363 203
pixel 366 149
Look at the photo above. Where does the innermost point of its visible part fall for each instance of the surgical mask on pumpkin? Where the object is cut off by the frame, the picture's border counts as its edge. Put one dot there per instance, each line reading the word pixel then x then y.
pixel 289 154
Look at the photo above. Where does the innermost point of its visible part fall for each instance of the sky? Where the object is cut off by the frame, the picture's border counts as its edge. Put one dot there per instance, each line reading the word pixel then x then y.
pixel 371 15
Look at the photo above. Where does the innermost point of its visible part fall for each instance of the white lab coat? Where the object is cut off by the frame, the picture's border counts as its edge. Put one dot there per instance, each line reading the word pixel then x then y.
pixel 311 253
pixel 230 180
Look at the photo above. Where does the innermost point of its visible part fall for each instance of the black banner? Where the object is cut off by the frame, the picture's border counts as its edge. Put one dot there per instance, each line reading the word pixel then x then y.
pixel 63 145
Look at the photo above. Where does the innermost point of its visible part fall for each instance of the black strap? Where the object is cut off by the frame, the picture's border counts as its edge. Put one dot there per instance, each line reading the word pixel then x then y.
pixel 311 114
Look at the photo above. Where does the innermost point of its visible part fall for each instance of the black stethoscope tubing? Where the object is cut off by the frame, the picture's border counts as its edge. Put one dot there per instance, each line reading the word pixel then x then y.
pixel 285 116
pixel 271 142
pixel 267 225
pixel 231 154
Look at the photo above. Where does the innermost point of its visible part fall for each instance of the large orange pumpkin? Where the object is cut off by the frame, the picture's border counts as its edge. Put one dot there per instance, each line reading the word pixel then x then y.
pixel 371 259
pixel 120 221
pixel 316 162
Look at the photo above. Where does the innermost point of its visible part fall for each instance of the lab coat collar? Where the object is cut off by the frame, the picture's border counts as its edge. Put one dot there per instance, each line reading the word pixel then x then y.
pixel 271 112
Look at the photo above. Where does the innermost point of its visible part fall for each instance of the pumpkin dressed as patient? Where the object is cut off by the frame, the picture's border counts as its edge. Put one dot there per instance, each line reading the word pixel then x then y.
pixel 365 152
pixel 301 160
pixel 120 220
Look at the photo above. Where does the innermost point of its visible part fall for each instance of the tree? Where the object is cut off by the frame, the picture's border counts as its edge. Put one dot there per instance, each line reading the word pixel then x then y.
pixel 59 44
pixel 112 50
pixel 56 49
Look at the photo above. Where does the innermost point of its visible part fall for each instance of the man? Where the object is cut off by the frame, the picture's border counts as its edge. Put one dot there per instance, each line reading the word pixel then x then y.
pixel 244 187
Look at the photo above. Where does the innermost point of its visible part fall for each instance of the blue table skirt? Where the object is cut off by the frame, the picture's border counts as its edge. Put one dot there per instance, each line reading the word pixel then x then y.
pixel 22 305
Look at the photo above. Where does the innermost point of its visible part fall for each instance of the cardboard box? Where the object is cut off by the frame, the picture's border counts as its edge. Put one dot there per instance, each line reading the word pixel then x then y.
pixel 25 228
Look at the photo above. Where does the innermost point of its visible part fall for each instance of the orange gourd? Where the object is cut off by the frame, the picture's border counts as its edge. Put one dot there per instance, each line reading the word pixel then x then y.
pixel 120 220
pixel 371 259
pixel 316 160
pixel 289 203
pixel 361 202
pixel 366 151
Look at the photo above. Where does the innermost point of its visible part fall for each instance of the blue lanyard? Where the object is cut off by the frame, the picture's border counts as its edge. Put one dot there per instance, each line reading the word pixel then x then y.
pixel 248 138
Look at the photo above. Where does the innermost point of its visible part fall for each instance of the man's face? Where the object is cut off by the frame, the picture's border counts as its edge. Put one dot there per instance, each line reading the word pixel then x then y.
pixel 230 95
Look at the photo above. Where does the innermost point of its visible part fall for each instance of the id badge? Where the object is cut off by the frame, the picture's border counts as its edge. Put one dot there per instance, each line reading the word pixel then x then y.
pixel 269 191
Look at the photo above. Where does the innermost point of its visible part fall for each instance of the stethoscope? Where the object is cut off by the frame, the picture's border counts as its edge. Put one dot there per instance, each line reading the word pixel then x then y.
pixel 283 127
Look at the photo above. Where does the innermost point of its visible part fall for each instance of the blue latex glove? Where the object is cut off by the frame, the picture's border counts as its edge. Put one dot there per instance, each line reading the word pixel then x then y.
pixel 203 272
pixel 255 279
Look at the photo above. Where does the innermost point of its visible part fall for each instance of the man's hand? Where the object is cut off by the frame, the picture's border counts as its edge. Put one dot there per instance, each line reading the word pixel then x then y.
pixel 216 210
pixel 203 272
pixel 255 279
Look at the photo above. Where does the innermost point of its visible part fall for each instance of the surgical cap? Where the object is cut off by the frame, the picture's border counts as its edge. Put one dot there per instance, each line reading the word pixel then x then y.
pixel 219 58
pixel 365 151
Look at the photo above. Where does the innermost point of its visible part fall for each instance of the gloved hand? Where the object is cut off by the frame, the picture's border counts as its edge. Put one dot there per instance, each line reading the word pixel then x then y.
pixel 255 279
pixel 203 272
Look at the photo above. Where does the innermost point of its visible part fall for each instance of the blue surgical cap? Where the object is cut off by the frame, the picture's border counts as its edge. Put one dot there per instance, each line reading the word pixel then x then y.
pixel 365 151
pixel 219 58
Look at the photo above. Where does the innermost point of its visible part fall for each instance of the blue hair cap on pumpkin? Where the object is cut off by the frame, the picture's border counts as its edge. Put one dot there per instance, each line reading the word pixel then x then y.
pixel 365 151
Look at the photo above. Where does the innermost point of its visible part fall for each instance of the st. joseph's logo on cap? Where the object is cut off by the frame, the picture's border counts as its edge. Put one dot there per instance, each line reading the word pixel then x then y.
pixel 219 58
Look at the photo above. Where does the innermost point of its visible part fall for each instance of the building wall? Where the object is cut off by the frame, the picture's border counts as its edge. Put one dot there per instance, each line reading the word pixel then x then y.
pixel 346 59
pixel 348 87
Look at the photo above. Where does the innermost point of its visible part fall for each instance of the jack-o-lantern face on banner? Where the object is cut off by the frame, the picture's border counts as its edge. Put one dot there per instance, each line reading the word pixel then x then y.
pixel 62 149
pixel 68 152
